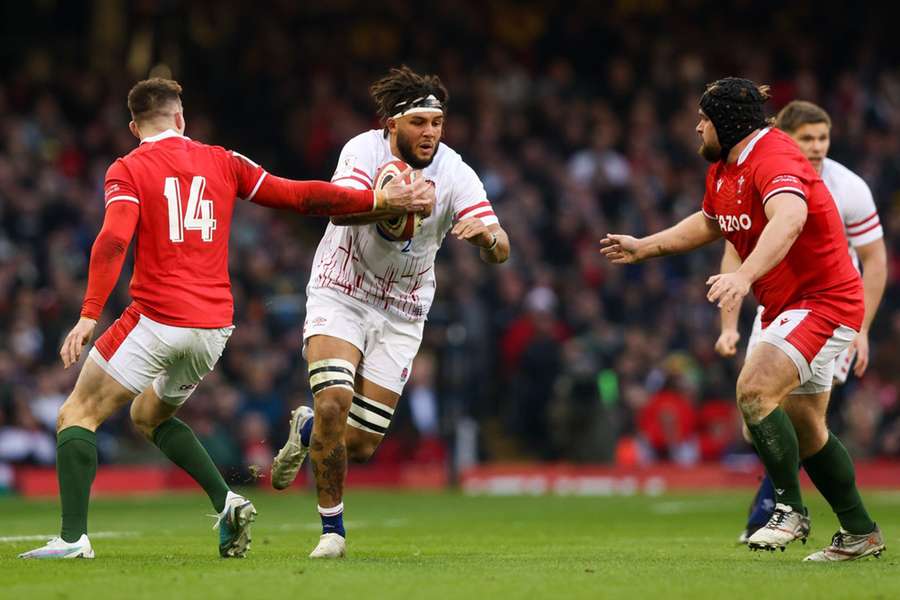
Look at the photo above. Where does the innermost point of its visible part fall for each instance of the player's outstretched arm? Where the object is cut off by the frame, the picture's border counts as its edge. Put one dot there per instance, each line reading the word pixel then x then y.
pixel 380 214
pixel 787 216
pixel 107 257
pixel 692 232
pixel 325 199
pixel 873 257
pixel 726 345
pixel 491 239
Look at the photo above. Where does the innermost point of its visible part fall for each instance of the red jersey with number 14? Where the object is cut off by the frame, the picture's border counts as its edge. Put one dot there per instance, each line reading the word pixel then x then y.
pixel 186 192
pixel 817 271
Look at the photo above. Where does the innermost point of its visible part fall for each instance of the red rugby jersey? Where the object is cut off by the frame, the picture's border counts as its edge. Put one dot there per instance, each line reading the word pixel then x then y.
pixel 178 196
pixel 186 192
pixel 817 271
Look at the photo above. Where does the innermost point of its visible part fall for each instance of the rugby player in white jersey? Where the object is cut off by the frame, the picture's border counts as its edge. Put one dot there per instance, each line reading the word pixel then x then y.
pixel 810 126
pixel 368 296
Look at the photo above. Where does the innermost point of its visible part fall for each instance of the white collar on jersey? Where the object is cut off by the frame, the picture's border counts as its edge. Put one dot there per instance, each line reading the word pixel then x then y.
pixel 746 151
pixel 161 136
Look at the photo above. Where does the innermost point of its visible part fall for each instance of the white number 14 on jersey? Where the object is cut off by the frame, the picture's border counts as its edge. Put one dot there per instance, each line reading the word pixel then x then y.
pixel 199 213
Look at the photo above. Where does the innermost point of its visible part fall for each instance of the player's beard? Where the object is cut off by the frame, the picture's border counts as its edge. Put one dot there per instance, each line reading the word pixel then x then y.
pixel 712 153
pixel 408 154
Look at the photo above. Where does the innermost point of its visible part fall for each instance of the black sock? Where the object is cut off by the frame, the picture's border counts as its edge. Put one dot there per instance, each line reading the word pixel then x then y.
pixel 831 470
pixel 179 443
pixel 76 466
pixel 776 442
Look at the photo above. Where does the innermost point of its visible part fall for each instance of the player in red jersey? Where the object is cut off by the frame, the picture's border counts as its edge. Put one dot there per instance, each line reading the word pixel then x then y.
pixel 765 198
pixel 809 125
pixel 177 195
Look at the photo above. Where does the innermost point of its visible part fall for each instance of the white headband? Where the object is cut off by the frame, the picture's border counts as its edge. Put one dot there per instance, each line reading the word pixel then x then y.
pixel 427 103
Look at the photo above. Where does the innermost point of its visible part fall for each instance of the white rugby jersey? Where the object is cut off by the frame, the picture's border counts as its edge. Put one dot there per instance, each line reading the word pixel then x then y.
pixel 397 277
pixel 855 203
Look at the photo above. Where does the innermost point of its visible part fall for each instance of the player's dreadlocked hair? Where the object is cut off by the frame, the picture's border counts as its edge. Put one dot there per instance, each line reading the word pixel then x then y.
pixel 401 86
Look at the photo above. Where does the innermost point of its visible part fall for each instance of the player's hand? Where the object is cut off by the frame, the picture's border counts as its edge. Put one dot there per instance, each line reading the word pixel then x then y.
pixel 728 289
pixel 861 345
pixel 621 249
pixel 400 197
pixel 726 345
pixel 474 231
pixel 77 339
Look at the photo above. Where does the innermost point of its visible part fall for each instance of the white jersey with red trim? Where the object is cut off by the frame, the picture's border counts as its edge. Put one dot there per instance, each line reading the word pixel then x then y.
pixel 855 203
pixel 397 277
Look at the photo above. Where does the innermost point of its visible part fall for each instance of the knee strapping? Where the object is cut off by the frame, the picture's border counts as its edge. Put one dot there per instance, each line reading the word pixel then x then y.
pixel 332 372
pixel 369 415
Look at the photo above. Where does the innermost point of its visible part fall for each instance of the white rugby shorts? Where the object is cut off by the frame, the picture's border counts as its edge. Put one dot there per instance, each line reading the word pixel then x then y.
pixel 388 344
pixel 825 355
pixel 138 352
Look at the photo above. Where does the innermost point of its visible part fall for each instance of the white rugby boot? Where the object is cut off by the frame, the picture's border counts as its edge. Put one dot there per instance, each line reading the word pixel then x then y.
pixel 233 524
pixel 785 526
pixel 849 546
pixel 331 545
pixel 289 459
pixel 59 548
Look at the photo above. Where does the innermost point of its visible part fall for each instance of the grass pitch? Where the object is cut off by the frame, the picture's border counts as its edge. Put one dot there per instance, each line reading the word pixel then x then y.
pixel 443 546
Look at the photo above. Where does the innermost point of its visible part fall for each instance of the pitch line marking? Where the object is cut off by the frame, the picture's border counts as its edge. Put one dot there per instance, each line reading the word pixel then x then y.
pixel 36 538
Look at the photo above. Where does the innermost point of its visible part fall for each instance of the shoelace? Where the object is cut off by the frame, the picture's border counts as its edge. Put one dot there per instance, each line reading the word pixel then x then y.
pixel 778 518
pixel 219 518
pixel 837 540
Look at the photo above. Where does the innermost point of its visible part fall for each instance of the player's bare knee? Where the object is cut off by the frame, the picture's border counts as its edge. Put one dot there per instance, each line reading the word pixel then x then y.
pixel 64 417
pixel 811 445
pixel 753 397
pixel 812 435
pixel 331 382
pixel 359 448
pixel 142 421
pixel 360 453
pixel 76 410
pixel 331 409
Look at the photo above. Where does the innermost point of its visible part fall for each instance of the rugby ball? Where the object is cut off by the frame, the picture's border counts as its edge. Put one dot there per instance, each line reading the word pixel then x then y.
pixel 402 227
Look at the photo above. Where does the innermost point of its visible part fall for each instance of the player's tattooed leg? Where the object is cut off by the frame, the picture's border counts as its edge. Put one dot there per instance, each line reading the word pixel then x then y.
pixel 329 471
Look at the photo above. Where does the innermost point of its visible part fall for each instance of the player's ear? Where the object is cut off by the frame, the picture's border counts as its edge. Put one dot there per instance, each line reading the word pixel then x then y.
pixel 179 122
pixel 391 125
pixel 132 126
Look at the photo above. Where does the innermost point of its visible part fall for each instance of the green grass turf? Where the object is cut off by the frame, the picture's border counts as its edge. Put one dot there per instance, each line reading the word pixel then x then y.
pixel 445 546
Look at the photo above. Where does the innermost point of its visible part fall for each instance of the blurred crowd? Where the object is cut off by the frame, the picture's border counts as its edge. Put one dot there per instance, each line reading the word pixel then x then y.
pixel 579 121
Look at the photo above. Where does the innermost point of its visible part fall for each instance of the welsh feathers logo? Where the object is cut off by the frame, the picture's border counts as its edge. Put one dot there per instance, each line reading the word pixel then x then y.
pixel 404 374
